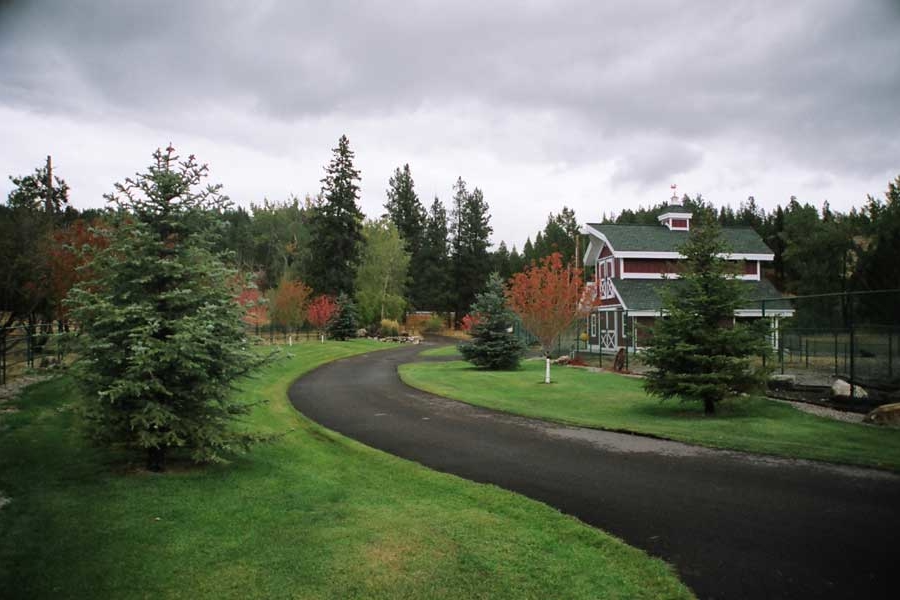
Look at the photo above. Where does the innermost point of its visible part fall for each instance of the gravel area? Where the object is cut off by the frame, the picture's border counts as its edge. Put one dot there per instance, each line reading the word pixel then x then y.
pixel 824 411
pixel 13 388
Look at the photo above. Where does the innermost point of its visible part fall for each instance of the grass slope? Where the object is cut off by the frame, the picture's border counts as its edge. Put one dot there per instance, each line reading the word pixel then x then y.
pixel 609 401
pixel 313 515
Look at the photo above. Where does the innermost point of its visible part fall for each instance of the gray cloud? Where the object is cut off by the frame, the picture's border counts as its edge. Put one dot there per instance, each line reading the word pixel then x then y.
pixel 649 87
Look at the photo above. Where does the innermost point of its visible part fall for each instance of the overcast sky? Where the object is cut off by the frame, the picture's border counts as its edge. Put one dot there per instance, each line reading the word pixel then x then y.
pixel 598 106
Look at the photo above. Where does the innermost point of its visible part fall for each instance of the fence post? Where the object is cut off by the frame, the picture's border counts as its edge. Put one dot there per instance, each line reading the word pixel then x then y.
pixel 29 346
pixel 835 353
pixel 781 351
pixel 890 354
pixel 852 347
pixel 807 353
pixel 3 357
pixel 768 336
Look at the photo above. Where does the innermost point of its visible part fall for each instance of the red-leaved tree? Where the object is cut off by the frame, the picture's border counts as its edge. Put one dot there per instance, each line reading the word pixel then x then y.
pixel 70 251
pixel 288 304
pixel 548 297
pixel 320 312
pixel 254 303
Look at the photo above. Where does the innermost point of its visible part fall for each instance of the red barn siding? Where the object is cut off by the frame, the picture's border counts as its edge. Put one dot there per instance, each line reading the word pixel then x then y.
pixel 648 265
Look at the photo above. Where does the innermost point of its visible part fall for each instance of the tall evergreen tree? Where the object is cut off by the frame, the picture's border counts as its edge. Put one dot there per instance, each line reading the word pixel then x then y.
pixel 471 239
pixel 776 243
pixel 407 213
pixel 336 226
pixel 516 262
pixel 434 264
pixel 528 256
pixel 501 262
pixel 404 208
pixel 695 352
pixel 879 268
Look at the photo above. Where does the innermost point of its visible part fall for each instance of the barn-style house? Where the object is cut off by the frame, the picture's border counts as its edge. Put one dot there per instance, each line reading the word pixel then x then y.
pixel 634 262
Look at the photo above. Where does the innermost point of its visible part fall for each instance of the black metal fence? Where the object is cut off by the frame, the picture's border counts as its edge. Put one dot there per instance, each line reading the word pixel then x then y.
pixel 32 346
pixel 25 348
pixel 853 336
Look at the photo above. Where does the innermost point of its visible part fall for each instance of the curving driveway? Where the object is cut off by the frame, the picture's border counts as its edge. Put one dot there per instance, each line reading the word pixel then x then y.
pixel 733 525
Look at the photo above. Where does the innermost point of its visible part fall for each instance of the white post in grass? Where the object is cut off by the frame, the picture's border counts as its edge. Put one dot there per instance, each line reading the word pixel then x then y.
pixel 547 372
pixel 290 340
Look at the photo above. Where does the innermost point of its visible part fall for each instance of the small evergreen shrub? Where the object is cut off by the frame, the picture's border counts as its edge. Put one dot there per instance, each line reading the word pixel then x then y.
pixel 344 324
pixel 493 344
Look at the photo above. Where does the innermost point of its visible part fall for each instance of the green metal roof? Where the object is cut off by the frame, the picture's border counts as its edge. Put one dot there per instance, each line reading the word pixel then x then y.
pixel 643 294
pixel 659 238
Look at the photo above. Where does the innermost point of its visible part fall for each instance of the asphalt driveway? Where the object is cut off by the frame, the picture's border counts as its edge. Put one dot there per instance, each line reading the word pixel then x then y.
pixel 733 525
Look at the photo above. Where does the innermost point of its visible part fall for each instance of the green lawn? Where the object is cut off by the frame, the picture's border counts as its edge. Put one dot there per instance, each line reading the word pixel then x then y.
pixel 610 401
pixel 441 351
pixel 313 515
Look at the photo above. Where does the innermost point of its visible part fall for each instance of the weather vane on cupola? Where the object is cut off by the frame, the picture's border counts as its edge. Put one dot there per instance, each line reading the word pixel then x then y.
pixel 674 193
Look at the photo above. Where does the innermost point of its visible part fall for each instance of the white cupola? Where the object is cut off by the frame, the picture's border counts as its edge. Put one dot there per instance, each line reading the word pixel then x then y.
pixel 675 216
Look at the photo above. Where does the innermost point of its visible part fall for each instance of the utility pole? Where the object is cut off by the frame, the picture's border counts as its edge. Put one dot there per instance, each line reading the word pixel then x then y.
pixel 48 201
pixel 577 249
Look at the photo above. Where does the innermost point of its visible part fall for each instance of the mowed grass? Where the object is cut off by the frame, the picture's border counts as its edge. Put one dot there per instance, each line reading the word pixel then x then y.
pixel 313 515
pixel 610 401
pixel 441 351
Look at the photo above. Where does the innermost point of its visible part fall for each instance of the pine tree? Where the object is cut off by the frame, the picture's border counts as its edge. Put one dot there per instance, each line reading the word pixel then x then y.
pixel 471 238
pixel 516 262
pixel 528 256
pixel 500 260
pixel 493 346
pixel 404 208
pixel 345 323
pixel 407 213
pixel 336 226
pixel 695 352
pixel 161 337
pixel 434 264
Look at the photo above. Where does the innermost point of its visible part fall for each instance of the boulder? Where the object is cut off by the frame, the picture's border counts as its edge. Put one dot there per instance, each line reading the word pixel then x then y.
pixel 886 414
pixel 840 389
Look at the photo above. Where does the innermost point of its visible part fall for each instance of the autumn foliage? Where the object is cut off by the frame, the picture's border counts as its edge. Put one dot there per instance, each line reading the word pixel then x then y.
pixel 254 303
pixel 320 311
pixel 548 297
pixel 468 322
pixel 289 301
pixel 70 251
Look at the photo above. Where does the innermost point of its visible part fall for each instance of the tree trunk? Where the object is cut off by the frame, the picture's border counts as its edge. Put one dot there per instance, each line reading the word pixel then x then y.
pixel 709 407
pixel 547 371
pixel 156 459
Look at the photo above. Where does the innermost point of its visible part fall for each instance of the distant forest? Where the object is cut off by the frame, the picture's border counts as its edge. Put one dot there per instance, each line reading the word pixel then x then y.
pixel 432 257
